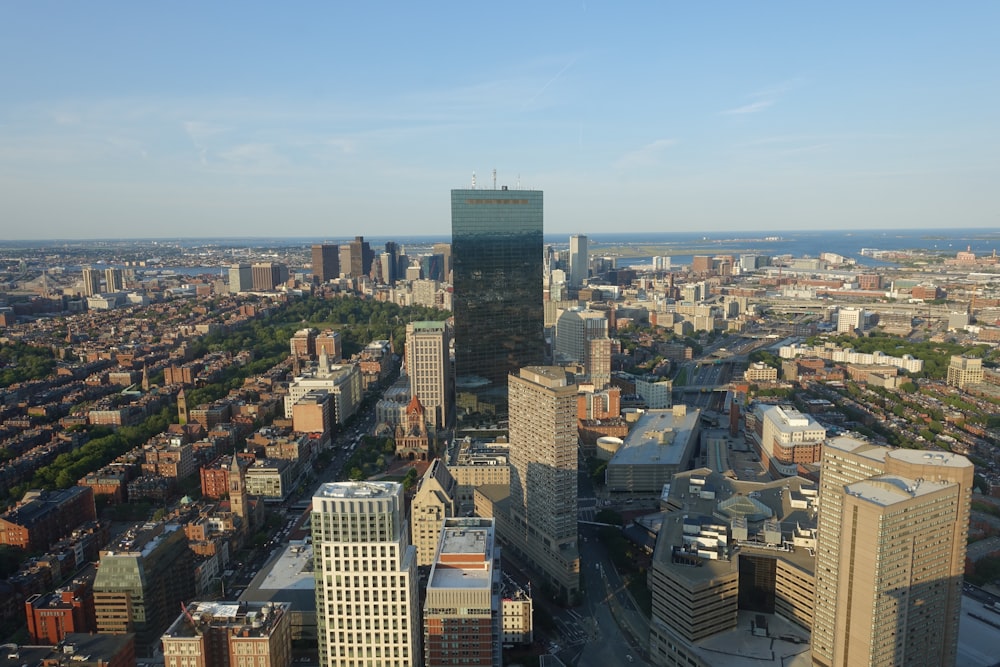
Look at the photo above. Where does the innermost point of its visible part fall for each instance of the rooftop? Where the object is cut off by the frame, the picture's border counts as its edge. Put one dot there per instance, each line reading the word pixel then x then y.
pixel 786 644
pixel 251 619
pixel 659 437
pixel 358 490
pixel 888 490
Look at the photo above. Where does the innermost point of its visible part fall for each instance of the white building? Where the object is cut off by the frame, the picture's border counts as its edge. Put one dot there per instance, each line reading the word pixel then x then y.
pixel 367 602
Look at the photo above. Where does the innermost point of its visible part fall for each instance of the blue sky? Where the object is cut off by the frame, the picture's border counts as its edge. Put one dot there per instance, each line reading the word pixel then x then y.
pixel 133 119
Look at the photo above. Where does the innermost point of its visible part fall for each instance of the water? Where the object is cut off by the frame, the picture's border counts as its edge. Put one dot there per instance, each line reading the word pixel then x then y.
pixel 683 246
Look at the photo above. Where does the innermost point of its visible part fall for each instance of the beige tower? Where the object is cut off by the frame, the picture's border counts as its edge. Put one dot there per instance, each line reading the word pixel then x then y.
pixel 428 367
pixel 434 501
pixel 542 516
pixel 890 555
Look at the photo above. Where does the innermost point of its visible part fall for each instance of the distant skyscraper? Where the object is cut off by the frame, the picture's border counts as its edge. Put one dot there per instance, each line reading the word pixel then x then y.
pixel 429 368
pixel 444 249
pixel 267 275
pixel 240 278
pixel 890 555
pixel 367 601
pixel 497 275
pixel 115 278
pixel 356 258
pixel 91 281
pixel 541 521
pixel 390 263
pixel 578 260
pixel 325 262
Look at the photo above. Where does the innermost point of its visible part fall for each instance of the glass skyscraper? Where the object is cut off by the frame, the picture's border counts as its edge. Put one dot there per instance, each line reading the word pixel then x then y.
pixel 497 258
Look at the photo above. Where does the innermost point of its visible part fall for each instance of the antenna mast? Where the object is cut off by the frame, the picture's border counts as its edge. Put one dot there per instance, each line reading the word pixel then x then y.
pixel 473 180
pixel 494 178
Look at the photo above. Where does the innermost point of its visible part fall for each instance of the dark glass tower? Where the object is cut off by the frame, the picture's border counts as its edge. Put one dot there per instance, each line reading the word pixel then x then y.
pixel 496 238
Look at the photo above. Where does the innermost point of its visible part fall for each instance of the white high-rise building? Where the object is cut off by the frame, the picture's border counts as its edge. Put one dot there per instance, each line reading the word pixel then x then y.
pixel 850 319
pixel 578 262
pixel 367 601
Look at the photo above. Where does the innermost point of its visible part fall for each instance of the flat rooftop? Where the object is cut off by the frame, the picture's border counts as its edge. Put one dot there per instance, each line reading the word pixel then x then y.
pixel 465 559
pixel 786 646
pixel 657 438
pixel 888 490
pixel 357 490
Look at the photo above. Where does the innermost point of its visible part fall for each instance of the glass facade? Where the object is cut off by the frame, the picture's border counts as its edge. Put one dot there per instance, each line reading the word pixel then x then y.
pixel 497 276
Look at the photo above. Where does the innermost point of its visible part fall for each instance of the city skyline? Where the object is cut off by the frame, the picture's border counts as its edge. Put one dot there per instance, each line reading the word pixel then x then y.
pixel 136 121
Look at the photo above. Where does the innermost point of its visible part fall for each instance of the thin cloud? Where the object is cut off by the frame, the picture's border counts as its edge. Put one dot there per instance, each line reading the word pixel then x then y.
pixel 754 107
pixel 549 83
pixel 646 156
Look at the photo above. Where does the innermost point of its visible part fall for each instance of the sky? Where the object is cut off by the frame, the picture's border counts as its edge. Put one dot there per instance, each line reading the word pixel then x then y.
pixel 193 119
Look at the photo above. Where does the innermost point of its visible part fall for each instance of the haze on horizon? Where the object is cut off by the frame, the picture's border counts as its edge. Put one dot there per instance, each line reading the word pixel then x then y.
pixel 131 120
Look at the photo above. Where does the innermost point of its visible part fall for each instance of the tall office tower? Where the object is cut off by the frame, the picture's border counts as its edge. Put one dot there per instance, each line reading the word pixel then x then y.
pixel 141 581
pixel 115 278
pixel 429 368
pixel 497 275
pixel 432 267
pixel 390 263
pixel 91 281
pixel 579 263
pixel 267 275
pixel 541 522
pixel 598 361
pixel 575 328
pixel 240 278
pixel 462 611
pixel 890 555
pixel 444 249
pixel 367 602
pixel 434 501
pixel 361 257
pixel 325 262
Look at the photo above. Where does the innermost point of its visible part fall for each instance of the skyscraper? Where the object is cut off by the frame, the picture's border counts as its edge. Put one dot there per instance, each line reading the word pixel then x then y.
pixel 390 263
pixel 890 555
pixel 325 262
pixel 266 275
pixel 115 278
pixel 541 518
pixel 356 258
pixel 91 281
pixel 429 368
pixel 240 278
pixel 578 260
pixel 367 601
pixel 497 275
pixel 444 249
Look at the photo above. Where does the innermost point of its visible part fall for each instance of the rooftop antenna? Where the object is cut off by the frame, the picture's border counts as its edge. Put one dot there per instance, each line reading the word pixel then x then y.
pixel 473 180
pixel 519 181
pixel 494 178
